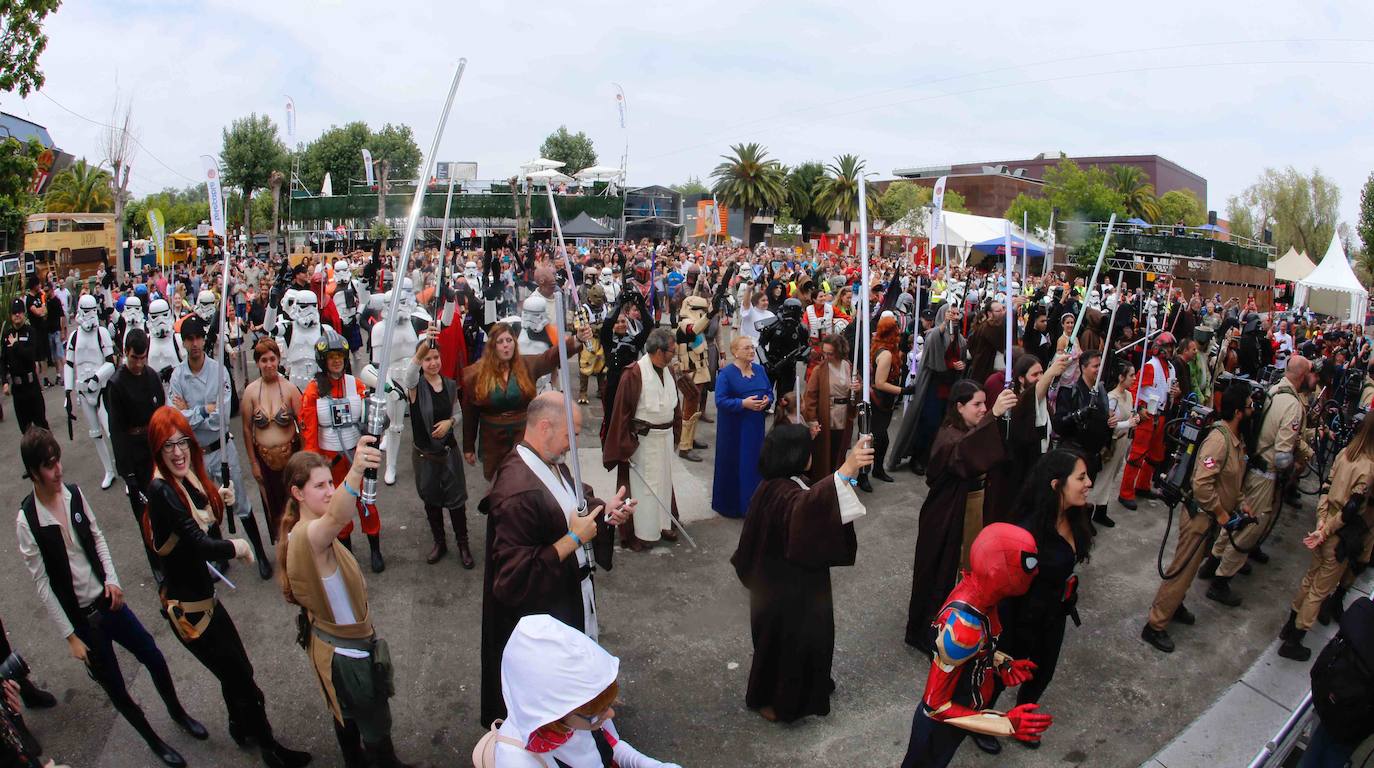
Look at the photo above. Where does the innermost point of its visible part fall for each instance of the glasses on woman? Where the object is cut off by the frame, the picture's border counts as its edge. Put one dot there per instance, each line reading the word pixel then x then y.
pixel 176 446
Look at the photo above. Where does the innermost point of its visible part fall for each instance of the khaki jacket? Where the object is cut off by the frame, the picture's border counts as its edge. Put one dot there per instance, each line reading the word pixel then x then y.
pixel 1284 425
pixel 1219 471
pixel 1347 479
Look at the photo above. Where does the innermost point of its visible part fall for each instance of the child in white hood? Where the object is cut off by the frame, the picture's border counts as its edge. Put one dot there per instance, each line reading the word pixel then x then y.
pixel 559 687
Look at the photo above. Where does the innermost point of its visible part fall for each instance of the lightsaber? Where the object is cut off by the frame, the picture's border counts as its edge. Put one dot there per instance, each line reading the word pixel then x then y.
pixel 666 510
pixel 565 372
pixel 864 413
pixel 1107 344
pixel 1006 243
pixel 1025 244
pixel 1049 246
pixel 443 257
pixel 1144 351
pixel 1101 254
pixel 215 572
pixel 375 420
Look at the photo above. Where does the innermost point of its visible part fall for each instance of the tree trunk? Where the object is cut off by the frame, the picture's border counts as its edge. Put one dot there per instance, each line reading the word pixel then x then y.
pixel 119 190
pixel 276 217
pixel 247 215
pixel 748 238
pixel 382 167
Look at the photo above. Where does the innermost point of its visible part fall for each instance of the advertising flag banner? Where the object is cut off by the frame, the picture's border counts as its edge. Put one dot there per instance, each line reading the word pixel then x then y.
pixel 937 198
pixel 212 188
pixel 367 167
pixel 159 229
pixel 291 122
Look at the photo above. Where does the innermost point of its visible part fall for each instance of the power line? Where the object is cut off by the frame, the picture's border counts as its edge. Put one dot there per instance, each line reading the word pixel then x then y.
pixel 114 128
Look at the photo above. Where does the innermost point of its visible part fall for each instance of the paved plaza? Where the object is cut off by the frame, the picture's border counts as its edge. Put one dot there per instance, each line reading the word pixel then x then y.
pixel 678 620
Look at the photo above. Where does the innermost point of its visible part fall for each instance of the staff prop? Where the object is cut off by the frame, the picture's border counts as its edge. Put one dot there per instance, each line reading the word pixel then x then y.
pixel 1101 254
pixel 375 419
pixel 682 529
pixel 864 409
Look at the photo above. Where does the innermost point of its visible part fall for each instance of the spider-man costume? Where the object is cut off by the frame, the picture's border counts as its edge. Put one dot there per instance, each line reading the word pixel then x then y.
pixel 967 664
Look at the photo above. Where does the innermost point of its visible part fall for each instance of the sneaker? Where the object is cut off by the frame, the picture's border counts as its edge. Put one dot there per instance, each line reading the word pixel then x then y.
pixel 689 455
pixel 1159 638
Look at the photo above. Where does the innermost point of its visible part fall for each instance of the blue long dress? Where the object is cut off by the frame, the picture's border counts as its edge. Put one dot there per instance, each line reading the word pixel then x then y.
pixel 739 438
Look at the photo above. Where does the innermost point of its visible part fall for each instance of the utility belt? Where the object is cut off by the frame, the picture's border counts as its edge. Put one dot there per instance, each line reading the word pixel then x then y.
pixel 643 428
pixel 178 613
pixel 379 654
pixel 503 418
pixel 840 400
pixel 214 445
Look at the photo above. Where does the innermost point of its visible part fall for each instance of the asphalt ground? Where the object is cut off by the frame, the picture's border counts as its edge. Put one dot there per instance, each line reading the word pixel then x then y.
pixel 678 620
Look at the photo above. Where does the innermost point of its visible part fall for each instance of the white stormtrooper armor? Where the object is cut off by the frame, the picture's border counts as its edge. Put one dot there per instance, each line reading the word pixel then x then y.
pixel 90 364
pixel 207 306
pixel 350 295
pixel 609 285
pixel 534 339
pixel 131 317
pixel 473 276
pixel 297 338
pixel 164 346
pixel 403 343
pixel 410 307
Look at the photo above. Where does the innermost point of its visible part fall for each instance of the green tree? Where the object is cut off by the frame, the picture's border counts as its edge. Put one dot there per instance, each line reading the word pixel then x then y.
pixel 692 186
pixel 338 152
pixel 902 197
pixel 81 188
pixel 837 194
pixel 1137 193
pixel 1302 211
pixel 17 166
pixel 1240 219
pixel 1033 211
pixel 1181 205
pixel 1365 225
pixel 21 43
pixel 395 145
pixel 182 209
pixel 252 152
pixel 749 181
pixel 1084 195
pixel 574 150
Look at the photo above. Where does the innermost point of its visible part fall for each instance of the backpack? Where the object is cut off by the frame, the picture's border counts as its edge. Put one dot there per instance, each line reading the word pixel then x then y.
pixel 1343 676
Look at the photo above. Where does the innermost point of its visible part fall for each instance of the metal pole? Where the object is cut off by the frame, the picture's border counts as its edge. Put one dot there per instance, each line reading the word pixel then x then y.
pixel 374 411
pixel 1101 254
pixel 443 257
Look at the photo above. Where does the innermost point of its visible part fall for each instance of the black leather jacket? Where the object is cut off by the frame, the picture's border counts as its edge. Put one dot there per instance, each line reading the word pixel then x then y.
pixel 1080 416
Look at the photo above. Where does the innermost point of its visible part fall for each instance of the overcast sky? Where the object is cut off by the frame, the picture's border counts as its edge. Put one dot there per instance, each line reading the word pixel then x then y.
pixel 1224 88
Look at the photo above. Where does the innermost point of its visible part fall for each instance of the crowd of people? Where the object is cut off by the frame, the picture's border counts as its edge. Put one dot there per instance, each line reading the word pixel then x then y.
pixel 1107 395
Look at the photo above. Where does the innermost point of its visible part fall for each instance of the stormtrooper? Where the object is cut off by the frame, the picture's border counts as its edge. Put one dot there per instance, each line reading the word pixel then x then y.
pixel 164 346
pixel 297 338
pixel 90 364
pixel 131 317
pixel 411 322
pixel 207 308
pixel 350 297
pixel 473 276
pixel 610 286
pixel 535 337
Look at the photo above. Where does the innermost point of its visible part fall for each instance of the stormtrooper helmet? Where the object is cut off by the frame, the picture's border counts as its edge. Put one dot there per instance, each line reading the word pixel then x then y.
pixel 407 305
pixel 160 318
pixel 206 305
pixel 471 273
pixel 342 273
pixel 534 313
pixel 133 311
pixel 606 278
pixel 87 312
pixel 1094 299
pixel 307 309
pixel 288 304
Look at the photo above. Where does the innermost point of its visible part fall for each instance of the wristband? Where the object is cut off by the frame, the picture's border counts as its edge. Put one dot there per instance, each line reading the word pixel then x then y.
pixel 351 490
pixel 576 539
pixel 846 478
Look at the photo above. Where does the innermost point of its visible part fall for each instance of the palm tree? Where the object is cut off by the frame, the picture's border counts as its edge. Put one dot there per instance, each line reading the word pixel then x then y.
pixel 1364 265
pixel 82 188
pixel 1137 192
pixel 801 194
pixel 750 182
pixel 837 195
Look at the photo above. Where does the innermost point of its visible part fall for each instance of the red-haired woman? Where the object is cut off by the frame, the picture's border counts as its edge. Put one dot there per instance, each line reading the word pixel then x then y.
pixel 185 509
pixel 887 387
pixel 496 391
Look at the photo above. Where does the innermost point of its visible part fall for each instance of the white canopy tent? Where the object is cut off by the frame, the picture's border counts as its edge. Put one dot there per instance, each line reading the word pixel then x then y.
pixel 549 177
pixel 599 173
pixel 1332 288
pixel 1293 266
pixel 540 164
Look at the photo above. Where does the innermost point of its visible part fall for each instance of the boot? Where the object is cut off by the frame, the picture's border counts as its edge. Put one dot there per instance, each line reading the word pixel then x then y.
pixel 1293 648
pixel 1209 567
pixel 882 474
pixel 167 690
pixel 1333 607
pixel 350 744
pixel 374 543
pixel 988 744
pixel 250 529
pixel 383 755
pixel 864 484
pixel 1259 556
pixel 1220 591
pixel 435 516
pixel 1100 516
pixel 274 755
pixel 1159 638
pixel 1289 626
pixel 35 697
pixel 459 518
pixel 162 749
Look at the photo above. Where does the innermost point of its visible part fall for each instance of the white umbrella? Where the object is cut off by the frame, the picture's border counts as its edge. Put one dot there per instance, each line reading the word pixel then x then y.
pixel 599 173
pixel 549 176
pixel 541 164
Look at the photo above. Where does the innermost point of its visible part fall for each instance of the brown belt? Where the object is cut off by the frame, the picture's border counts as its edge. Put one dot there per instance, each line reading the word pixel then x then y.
pixel 642 428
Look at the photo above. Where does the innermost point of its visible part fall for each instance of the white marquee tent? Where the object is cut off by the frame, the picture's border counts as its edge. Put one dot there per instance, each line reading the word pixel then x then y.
pixel 1293 266
pixel 1332 288
pixel 961 231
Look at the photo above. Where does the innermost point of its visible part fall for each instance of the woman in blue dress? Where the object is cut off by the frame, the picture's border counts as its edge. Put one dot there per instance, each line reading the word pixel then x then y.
pixel 743 394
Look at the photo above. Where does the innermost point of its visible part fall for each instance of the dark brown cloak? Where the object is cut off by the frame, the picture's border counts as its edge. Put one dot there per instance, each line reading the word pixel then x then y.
pixel 956 459
pixel 791 539
pixel 816 407
pixel 984 342
pixel 522 574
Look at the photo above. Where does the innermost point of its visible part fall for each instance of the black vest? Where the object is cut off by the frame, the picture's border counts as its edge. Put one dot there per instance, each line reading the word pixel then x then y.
pixel 53 549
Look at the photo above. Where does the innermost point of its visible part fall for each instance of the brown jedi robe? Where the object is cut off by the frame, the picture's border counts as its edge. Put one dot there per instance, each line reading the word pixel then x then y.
pixel 816 408
pixel 984 342
pixel 496 441
pixel 522 574
pixel 791 539
pixel 620 442
pixel 1022 448
pixel 956 458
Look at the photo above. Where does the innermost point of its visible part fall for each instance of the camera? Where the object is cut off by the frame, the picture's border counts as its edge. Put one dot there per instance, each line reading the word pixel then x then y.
pixel 1174 484
pixel 1258 389
pixel 13 667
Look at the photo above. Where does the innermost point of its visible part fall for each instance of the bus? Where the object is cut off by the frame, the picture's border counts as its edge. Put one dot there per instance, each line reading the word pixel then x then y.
pixel 80 241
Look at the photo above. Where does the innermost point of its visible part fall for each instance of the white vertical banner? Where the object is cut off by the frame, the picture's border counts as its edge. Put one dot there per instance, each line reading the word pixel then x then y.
pixel 937 198
pixel 216 195
pixel 291 122
pixel 620 104
pixel 367 167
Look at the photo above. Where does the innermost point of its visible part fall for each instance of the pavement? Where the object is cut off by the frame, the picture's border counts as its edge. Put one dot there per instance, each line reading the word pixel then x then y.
pixel 678 620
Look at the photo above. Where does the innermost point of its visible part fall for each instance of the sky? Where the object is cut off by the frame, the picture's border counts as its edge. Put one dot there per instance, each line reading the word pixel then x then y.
pixel 1225 88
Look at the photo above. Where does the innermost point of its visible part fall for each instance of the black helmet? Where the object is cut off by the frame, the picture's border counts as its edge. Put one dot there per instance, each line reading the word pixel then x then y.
pixel 330 341
pixel 791 309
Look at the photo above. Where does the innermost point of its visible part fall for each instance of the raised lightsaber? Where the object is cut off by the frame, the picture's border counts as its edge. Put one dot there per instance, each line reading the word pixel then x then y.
pixel 864 410
pixel 1006 243
pixel 1101 254
pixel 1107 344
pixel 565 372
pixel 217 223
pixel 375 419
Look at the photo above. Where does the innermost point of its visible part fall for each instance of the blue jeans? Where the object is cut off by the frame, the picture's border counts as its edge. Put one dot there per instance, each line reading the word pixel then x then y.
pixel 122 626
pixel 1325 751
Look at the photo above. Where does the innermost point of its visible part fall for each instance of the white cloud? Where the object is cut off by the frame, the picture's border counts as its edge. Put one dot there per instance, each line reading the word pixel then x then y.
pixel 898 83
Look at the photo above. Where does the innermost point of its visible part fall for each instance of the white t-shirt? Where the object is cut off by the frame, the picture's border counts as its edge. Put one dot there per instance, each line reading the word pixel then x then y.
pixel 748 318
